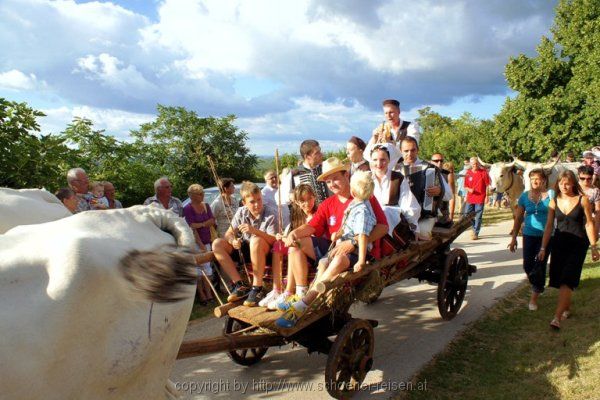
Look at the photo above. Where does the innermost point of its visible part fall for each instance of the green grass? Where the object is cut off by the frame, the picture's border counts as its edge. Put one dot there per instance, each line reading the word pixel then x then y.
pixel 511 352
pixel 493 215
pixel 200 311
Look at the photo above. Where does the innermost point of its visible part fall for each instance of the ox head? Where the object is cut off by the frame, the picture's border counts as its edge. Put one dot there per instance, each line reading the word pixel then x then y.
pixel 160 274
pixel 502 176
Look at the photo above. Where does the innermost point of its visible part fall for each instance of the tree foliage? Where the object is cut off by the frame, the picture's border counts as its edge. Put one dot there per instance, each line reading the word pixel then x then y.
pixel 558 101
pixel 174 145
pixel 26 158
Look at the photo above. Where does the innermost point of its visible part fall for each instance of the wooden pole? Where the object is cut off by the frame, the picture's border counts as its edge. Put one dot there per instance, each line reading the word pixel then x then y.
pixel 197 347
pixel 222 310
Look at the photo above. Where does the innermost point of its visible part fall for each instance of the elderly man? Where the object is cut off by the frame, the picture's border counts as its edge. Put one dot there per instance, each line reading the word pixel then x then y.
pixel 307 173
pixel 394 129
pixel 164 198
pixel 109 193
pixel 426 182
pixel 270 189
pixel 327 221
pixel 79 182
pixel 477 181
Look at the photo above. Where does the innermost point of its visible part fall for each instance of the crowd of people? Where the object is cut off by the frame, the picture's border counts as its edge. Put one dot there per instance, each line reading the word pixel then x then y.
pixel 327 216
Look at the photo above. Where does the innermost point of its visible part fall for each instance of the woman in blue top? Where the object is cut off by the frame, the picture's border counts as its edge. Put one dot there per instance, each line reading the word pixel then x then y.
pixel 533 208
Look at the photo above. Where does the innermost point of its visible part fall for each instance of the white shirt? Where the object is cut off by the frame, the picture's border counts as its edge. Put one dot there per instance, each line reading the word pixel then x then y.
pixel 268 194
pixel 407 203
pixel 447 190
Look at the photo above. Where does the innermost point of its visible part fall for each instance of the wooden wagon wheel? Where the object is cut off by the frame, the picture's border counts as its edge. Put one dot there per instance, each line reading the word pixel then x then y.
pixel 453 283
pixel 243 356
pixel 350 358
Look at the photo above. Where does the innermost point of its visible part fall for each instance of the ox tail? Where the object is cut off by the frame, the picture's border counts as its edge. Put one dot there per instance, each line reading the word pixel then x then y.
pixel 161 274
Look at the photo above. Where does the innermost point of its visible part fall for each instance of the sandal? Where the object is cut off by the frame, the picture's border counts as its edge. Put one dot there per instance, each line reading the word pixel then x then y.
pixel 555 324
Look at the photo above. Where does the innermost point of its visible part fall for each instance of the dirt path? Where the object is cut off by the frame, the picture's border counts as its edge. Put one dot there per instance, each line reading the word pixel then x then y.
pixel 409 334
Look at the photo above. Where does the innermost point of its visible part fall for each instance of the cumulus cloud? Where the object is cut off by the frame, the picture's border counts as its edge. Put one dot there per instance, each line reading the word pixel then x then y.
pixel 115 122
pixel 315 54
pixel 17 80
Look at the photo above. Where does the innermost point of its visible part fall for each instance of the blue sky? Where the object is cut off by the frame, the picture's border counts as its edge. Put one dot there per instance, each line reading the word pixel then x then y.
pixel 290 70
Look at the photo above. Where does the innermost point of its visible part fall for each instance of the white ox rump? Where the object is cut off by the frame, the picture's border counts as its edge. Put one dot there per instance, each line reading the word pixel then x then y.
pixel 28 206
pixel 73 326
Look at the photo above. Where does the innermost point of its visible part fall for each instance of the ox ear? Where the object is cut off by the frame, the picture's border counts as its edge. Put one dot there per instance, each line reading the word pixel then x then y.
pixel 160 275
pixel 486 165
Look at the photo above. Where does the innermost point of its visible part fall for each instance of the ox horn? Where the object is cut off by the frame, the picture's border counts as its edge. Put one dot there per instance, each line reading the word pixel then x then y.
pixel 519 163
pixel 547 167
pixel 486 165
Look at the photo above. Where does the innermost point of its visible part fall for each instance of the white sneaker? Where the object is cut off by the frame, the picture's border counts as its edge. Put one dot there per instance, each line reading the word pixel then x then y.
pixel 268 298
pixel 272 305
pixel 533 307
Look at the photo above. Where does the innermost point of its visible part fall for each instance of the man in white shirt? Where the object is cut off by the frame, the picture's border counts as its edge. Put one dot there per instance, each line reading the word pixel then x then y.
pixel 426 183
pixel 271 184
pixel 394 129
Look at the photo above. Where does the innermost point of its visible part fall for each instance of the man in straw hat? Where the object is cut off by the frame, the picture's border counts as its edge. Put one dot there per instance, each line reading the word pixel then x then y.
pixel 326 222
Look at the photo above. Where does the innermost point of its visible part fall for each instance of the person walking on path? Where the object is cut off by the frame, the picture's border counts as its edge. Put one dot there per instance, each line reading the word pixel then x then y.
pixel 532 208
pixel 477 181
pixel 575 230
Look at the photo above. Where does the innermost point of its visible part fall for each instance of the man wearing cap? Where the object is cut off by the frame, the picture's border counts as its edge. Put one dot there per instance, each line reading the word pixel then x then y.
pixel 306 173
pixel 326 221
pixel 393 128
pixel 591 160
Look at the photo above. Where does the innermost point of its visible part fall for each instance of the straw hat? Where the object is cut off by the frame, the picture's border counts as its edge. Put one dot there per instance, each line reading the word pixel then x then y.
pixel 331 166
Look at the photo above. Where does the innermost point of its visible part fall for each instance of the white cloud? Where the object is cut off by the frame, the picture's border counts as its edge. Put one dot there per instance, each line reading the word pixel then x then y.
pixel 328 62
pixel 110 71
pixel 115 122
pixel 17 80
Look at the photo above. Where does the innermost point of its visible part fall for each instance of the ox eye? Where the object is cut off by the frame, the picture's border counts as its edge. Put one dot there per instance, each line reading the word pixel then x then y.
pixel 501 176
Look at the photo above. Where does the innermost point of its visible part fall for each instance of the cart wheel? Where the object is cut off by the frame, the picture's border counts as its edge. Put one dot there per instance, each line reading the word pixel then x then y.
pixel 243 356
pixel 453 283
pixel 350 358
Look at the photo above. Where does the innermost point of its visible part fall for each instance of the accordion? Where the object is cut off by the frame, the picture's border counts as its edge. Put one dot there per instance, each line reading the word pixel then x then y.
pixel 303 175
pixel 420 177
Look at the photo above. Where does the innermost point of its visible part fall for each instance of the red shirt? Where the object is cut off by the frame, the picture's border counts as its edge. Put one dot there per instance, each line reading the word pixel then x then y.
pixel 329 216
pixel 478 181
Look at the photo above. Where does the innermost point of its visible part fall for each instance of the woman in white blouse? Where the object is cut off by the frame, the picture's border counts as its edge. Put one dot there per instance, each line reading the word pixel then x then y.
pixel 391 189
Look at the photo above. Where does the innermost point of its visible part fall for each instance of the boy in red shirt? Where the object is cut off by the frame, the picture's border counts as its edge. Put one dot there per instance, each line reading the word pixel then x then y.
pixel 476 182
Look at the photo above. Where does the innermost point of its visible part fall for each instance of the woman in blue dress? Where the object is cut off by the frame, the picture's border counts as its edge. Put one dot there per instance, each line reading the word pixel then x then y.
pixel 533 209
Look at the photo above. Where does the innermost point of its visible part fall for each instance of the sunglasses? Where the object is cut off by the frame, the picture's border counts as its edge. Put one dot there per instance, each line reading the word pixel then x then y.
pixel 583 178
pixel 437 161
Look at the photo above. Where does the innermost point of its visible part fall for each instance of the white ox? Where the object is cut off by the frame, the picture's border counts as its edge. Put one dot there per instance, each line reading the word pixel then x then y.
pixel 551 169
pixel 504 179
pixel 76 319
pixel 28 206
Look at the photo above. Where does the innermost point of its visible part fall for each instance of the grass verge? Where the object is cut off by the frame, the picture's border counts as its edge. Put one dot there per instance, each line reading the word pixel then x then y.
pixel 511 353
pixel 493 215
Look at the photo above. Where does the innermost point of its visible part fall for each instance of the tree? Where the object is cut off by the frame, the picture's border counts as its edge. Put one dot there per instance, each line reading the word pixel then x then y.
pixel 28 159
pixel 558 101
pixel 178 142
pixel 106 158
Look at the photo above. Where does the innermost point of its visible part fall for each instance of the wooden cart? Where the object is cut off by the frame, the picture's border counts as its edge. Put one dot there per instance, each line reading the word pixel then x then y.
pixel 249 331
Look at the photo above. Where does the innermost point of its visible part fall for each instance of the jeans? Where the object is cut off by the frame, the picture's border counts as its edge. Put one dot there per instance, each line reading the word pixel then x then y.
pixel 478 208
pixel 535 270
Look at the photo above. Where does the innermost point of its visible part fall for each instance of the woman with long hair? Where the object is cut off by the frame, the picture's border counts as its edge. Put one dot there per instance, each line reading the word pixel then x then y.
pixel 532 207
pixel 575 231
pixel 303 208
